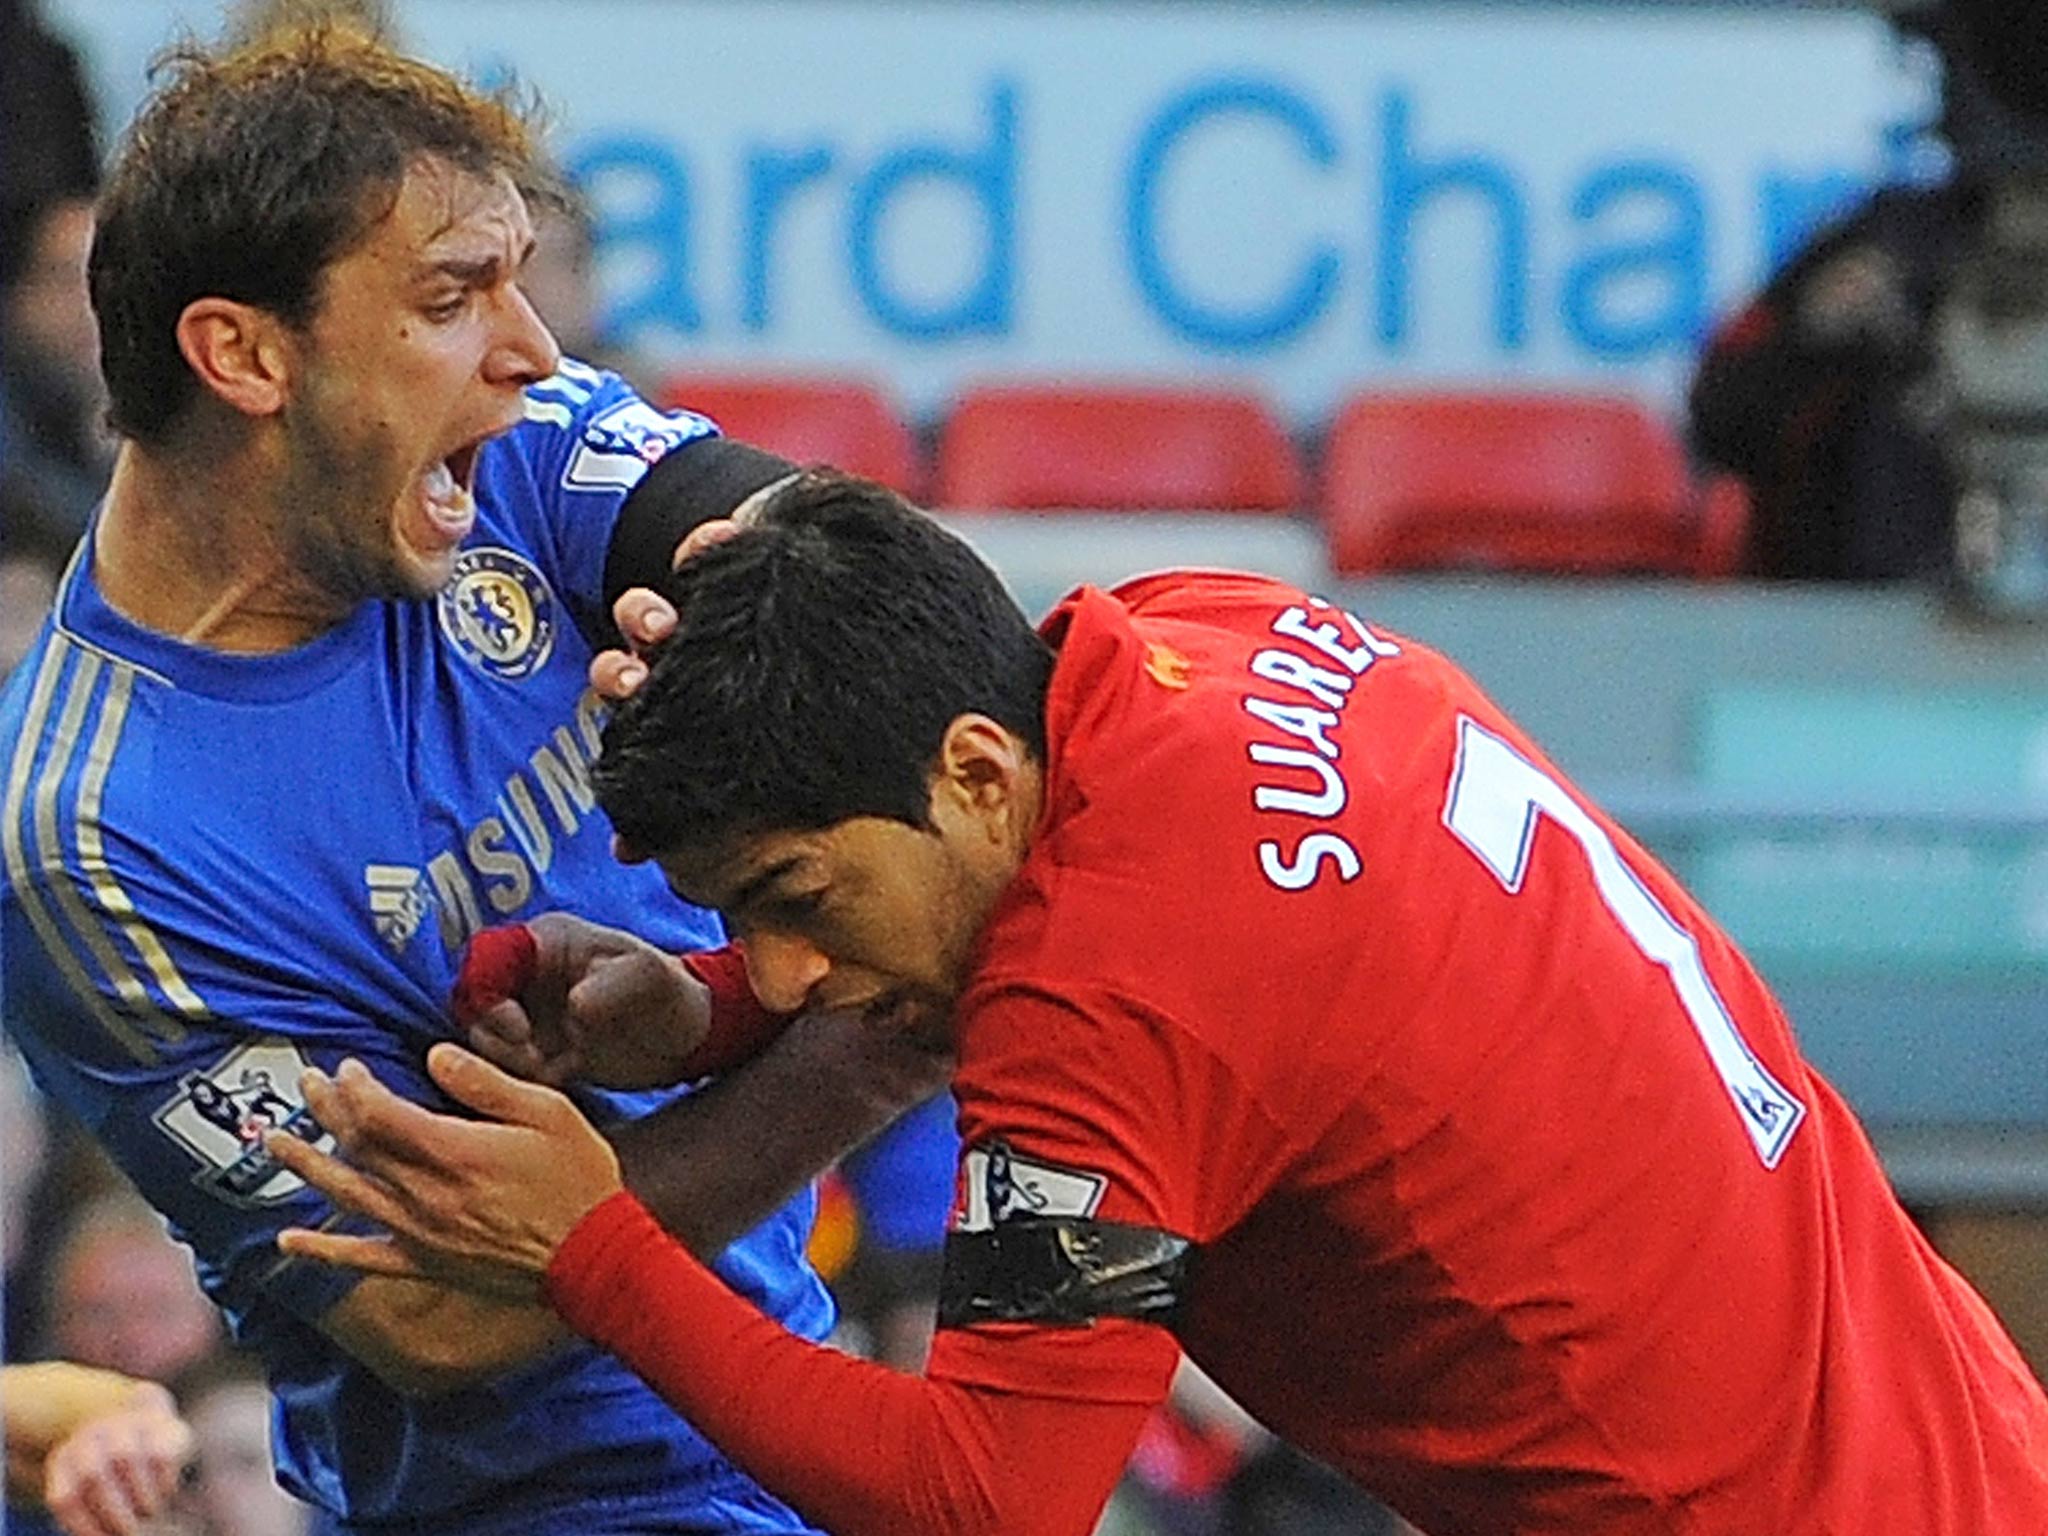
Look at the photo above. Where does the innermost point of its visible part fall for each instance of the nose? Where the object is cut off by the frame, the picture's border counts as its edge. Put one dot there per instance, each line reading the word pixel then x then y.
pixel 783 971
pixel 524 351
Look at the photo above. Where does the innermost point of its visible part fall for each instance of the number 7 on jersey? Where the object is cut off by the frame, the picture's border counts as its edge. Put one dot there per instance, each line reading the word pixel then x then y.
pixel 1495 798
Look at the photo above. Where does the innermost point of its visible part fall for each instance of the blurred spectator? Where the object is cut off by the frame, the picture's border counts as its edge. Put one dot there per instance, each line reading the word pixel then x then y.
pixel 51 145
pixel 902 1187
pixel 1281 1492
pixel 560 280
pixel 101 1451
pixel 28 583
pixel 1204 1468
pixel 55 452
pixel 121 1294
pixel 235 1493
pixel 75 1173
pixel 1194 1445
pixel 1820 395
pixel 24 1141
pixel 1887 376
pixel 2005 46
pixel 560 276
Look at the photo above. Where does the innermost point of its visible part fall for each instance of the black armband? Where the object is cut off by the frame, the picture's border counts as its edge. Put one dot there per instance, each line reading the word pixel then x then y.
pixel 1062 1270
pixel 705 478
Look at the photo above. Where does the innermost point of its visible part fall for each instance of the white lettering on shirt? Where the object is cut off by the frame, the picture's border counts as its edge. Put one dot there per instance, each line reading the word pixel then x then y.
pixel 1292 671
pixel 1323 849
pixel 1301 873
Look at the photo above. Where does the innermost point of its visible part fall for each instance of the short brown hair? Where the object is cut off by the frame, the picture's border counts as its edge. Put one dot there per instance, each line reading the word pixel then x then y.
pixel 252 168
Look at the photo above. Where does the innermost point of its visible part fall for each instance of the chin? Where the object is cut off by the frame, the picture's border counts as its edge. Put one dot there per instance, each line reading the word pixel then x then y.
pixel 428 574
pixel 413 572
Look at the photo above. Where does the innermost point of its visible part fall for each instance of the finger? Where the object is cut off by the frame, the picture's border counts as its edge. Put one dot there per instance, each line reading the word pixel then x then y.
pixel 367 1255
pixel 381 1127
pixel 164 1441
pixel 704 535
pixel 85 1501
pixel 560 1065
pixel 130 1465
pixel 643 615
pixel 347 1187
pixel 508 1026
pixel 616 989
pixel 351 1105
pixel 507 1036
pixel 63 1495
pixel 556 1071
pixel 172 1447
pixel 470 1080
pixel 617 675
pixel 521 1058
pixel 564 945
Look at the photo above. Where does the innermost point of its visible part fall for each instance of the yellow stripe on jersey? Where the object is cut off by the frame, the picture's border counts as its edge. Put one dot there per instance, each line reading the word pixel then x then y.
pixel 92 851
pixel 134 1034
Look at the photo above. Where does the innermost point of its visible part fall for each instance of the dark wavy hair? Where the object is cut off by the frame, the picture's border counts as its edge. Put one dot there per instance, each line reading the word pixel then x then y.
pixel 251 169
pixel 818 658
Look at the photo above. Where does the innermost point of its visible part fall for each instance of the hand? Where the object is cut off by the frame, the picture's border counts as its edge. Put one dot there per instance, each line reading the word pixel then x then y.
pixel 588 1003
pixel 479 1205
pixel 120 1467
pixel 646 618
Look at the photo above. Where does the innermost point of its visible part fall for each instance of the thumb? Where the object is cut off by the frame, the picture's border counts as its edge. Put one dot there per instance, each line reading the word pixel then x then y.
pixel 616 989
pixel 476 1084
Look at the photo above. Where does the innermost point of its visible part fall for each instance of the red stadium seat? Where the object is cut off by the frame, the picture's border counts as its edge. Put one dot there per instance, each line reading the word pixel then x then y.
pixel 1139 448
pixel 1518 482
pixel 840 422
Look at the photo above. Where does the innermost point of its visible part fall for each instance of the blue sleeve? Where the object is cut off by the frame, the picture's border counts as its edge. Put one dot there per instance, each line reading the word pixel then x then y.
pixel 556 482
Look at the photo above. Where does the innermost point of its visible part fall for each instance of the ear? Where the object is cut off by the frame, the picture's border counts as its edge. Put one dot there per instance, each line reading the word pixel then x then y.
pixel 981 768
pixel 241 354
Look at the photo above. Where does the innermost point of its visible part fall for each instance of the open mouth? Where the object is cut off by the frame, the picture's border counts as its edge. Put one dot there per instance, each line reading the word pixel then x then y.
pixel 448 492
pixel 454 478
pixel 462 465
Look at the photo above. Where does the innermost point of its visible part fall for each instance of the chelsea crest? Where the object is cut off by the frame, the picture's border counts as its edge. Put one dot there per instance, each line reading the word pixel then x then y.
pixel 498 612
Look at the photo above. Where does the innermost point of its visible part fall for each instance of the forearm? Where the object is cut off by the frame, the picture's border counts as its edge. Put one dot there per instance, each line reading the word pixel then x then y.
pixel 715 1164
pixel 426 1340
pixel 856 1448
pixel 702 480
pixel 44 1405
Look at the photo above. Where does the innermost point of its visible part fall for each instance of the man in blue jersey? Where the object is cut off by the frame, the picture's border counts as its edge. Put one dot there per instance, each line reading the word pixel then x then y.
pixel 311 711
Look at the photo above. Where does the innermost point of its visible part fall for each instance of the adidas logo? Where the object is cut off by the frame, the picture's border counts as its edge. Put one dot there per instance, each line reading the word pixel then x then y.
pixel 398 902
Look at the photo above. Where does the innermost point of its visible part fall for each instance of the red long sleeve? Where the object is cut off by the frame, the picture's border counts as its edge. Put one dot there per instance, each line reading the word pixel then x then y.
pixel 857 1448
pixel 740 1027
pixel 500 963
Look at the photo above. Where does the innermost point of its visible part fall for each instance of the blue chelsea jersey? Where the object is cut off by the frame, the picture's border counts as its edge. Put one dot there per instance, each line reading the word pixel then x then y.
pixel 221 868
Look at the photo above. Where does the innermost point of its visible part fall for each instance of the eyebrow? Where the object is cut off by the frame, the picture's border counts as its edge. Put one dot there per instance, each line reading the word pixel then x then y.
pixel 757 884
pixel 477 271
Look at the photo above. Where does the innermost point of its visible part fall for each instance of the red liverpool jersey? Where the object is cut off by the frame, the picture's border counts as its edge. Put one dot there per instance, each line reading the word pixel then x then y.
pixel 1512 1193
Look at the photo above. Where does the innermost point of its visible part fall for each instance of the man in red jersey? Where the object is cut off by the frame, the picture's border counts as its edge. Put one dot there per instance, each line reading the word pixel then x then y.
pixel 1307 1020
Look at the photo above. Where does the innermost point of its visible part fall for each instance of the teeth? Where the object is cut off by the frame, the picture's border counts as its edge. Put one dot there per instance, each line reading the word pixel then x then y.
pixel 440 481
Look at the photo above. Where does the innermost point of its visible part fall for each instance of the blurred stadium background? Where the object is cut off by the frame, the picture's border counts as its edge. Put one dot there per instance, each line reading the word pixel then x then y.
pixel 1400 300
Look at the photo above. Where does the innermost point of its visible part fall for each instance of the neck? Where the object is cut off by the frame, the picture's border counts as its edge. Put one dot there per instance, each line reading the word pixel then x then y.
pixel 190 544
